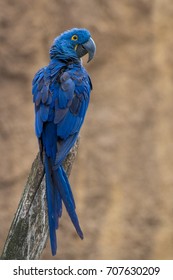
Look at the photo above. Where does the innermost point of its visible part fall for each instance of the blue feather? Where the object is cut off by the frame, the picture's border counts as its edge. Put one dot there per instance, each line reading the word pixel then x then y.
pixel 38 124
pixel 61 182
pixel 59 115
pixel 63 148
pixel 44 112
pixel 44 93
pixel 51 209
pixel 38 98
pixel 49 100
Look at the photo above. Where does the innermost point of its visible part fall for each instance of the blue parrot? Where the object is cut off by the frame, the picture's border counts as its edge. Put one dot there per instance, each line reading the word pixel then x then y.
pixel 61 94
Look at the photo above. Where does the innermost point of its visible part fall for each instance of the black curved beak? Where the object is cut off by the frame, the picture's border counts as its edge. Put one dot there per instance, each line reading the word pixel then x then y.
pixel 88 47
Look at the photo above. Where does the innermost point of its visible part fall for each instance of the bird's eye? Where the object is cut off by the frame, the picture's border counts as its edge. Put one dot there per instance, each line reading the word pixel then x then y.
pixel 74 37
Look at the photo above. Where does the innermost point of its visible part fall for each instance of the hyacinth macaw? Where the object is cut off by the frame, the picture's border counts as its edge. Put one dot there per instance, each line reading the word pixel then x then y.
pixel 61 93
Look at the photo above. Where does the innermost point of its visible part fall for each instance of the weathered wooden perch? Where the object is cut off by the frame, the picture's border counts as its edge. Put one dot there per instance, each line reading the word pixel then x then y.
pixel 29 230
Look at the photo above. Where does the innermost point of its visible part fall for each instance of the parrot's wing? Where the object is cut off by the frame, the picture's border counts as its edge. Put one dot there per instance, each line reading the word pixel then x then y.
pixel 72 103
pixel 42 97
pixel 63 101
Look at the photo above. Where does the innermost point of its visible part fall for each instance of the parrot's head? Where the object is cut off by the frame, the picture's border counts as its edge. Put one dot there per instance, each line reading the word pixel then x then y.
pixel 73 44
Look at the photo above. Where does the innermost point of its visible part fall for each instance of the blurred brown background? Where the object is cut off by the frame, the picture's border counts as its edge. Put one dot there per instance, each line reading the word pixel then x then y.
pixel 123 176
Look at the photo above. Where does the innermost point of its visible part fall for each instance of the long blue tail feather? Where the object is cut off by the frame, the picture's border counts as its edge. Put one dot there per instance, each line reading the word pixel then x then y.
pixel 57 190
pixel 61 182
pixel 51 206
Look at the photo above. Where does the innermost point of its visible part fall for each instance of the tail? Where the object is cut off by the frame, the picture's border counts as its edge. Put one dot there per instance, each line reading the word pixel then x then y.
pixel 58 190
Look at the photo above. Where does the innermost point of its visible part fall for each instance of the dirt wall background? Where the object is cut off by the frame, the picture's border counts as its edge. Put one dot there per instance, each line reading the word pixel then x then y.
pixel 123 176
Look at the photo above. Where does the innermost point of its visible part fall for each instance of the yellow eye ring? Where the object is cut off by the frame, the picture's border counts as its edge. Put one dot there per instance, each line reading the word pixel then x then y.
pixel 74 38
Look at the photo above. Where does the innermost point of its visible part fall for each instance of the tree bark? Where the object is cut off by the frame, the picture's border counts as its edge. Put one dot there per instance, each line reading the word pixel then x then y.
pixel 29 230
